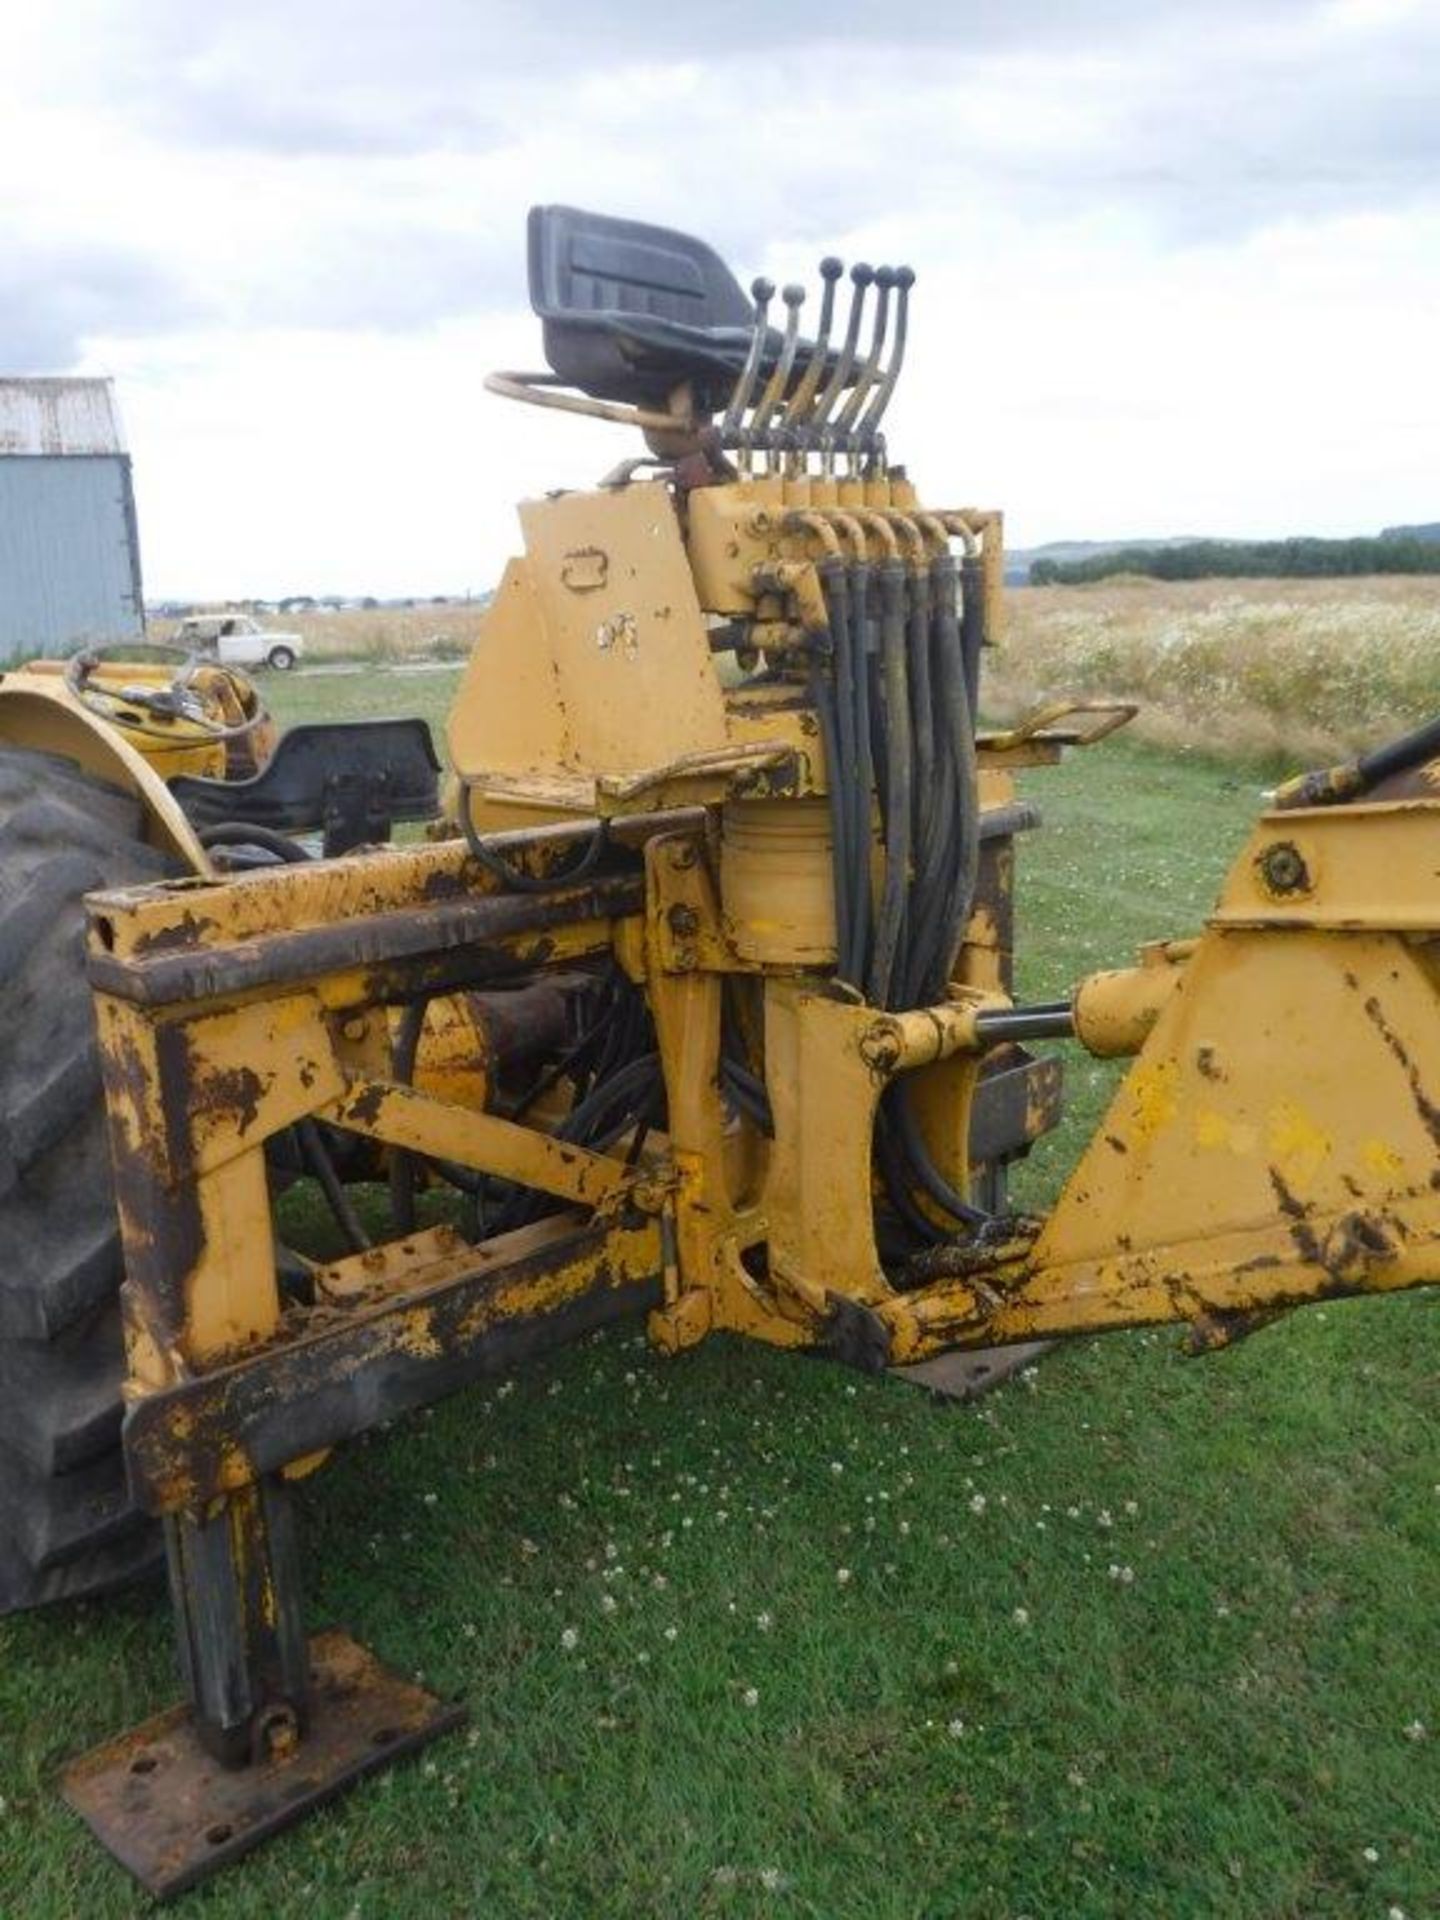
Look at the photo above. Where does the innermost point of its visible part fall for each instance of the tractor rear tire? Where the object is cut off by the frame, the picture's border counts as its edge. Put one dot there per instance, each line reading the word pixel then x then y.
pixel 67 1526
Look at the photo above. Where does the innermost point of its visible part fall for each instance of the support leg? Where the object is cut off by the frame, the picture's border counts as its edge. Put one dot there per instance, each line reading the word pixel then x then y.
pixel 235 1594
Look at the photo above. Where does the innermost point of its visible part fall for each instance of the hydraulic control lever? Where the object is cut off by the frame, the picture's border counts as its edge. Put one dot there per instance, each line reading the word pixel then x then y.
pixel 815 398
pixel 870 442
pixel 796 416
pixel 762 291
pixel 772 399
pixel 865 379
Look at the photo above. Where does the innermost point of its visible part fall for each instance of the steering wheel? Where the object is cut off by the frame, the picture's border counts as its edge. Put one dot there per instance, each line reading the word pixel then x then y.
pixel 180 707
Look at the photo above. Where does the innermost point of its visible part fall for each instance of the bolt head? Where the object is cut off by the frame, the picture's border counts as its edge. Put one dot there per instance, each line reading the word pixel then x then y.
pixel 1283 869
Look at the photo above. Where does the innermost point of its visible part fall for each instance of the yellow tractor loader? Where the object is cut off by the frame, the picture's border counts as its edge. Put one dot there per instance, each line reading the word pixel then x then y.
pixel 724 934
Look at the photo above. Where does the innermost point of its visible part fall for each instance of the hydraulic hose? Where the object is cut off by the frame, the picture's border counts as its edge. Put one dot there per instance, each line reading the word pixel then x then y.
pixel 822 698
pixel 317 1158
pixel 515 879
pixel 899 781
pixel 957 734
pixel 236 833
pixel 917 1156
pixel 972 626
pixel 863 788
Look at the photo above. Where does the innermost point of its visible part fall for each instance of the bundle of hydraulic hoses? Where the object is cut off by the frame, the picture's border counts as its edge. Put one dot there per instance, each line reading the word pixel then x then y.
pixel 895 695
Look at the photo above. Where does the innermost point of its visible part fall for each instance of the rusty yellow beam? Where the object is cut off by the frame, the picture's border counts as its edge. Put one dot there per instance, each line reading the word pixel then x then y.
pixel 401 1116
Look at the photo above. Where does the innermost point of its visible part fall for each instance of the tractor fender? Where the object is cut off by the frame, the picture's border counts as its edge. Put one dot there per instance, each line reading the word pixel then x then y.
pixel 37 711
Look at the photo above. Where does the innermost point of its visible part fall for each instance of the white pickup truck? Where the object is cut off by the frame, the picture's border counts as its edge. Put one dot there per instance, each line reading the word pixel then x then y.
pixel 237 640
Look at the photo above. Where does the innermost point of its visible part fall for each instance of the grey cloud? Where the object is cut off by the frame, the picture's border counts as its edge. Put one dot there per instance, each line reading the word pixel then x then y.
pixel 1202 125
pixel 336 76
pixel 52 298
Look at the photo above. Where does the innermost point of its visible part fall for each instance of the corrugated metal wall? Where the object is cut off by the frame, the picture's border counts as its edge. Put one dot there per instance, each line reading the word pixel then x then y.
pixel 69 558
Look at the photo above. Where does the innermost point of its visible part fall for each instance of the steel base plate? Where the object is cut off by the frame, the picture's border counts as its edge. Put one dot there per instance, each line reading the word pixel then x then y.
pixel 173 1815
pixel 965 1376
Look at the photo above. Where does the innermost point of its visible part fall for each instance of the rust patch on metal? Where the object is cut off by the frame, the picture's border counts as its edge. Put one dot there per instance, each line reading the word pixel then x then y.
pixel 1358 1244
pixel 234 1091
pixel 1295 1210
pixel 182 936
pixel 1207 1065
pixel 367 1105
pixel 443 885
pixel 1427 1109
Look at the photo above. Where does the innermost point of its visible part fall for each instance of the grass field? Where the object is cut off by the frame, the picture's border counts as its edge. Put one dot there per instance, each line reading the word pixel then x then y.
pixel 1301 668
pixel 388 633
pixel 745 1635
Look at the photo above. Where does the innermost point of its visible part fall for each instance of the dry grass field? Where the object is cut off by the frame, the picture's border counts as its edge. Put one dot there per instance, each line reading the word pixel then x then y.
pixel 1285 669
pixel 1290 669
pixel 387 633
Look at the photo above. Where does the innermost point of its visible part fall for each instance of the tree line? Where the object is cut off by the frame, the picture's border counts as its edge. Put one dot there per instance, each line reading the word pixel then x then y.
pixel 1301 558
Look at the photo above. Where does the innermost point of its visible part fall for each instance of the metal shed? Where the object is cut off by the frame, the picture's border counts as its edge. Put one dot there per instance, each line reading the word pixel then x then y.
pixel 69 550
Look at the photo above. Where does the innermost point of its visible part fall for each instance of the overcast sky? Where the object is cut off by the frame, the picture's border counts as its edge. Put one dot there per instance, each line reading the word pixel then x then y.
pixel 1179 265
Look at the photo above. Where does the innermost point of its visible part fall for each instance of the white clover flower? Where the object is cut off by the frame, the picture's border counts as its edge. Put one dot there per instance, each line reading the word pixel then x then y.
pixel 570 1639
pixel 608 1603
pixel 750 1697
pixel 765 1621
pixel 842 1576
pixel 1370 1856
pixel 672 1633
pixel 956 1729
pixel 1415 1730
pixel 771 1879
pixel 977 1503
pixel 1021 1616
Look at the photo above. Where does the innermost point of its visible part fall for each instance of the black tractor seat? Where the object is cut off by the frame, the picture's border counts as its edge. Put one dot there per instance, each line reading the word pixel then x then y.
pixel 352 779
pixel 630 310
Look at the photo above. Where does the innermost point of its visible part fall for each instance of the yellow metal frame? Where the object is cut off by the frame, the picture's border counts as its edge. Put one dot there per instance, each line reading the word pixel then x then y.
pixel 37 710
